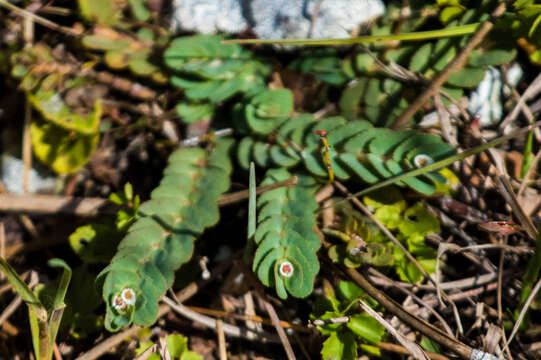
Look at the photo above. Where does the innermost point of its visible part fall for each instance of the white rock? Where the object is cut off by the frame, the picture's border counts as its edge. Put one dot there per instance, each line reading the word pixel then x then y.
pixel 486 100
pixel 275 19
pixel 11 174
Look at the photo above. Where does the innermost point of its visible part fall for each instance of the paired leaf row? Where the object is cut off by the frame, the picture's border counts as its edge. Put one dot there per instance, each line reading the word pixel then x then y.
pixel 128 52
pixel 286 241
pixel 210 72
pixel 358 150
pixel 180 208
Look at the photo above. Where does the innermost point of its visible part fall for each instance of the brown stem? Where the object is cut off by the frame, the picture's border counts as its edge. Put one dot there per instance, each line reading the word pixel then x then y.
pixel 455 65
pixel 53 204
pixel 422 326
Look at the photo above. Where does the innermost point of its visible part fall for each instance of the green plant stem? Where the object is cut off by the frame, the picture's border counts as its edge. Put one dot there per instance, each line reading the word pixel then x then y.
pixel 416 36
pixel 455 65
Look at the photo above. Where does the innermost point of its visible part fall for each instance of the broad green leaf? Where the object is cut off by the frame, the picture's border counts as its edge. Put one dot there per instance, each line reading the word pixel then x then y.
pixel 366 327
pixel 340 346
pixel 63 150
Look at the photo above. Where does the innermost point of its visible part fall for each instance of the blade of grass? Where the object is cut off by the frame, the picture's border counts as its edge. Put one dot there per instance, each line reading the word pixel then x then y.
pixel 58 304
pixel 251 215
pixel 22 289
pixel 414 36
pixel 527 157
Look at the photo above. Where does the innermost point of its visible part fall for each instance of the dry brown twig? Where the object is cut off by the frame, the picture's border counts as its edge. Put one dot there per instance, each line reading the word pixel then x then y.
pixel 456 64
pixel 53 205
pixel 414 349
pixel 393 307
pixel 280 330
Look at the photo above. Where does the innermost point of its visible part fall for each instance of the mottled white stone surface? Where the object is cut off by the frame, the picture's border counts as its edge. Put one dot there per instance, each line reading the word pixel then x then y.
pixel 275 19
pixel 11 174
pixel 486 100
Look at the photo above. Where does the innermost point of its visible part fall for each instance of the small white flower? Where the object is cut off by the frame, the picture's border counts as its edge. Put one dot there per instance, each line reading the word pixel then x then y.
pixel 118 303
pixel 422 160
pixel 128 295
pixel 286 269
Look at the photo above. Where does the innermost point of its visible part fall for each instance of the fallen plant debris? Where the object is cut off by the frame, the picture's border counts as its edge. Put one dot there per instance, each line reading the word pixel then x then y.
pixel 212 197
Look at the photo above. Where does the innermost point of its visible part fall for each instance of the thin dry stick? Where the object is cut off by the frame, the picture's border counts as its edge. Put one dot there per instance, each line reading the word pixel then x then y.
pixel 414 349
pixel 56 352
pixel 467 294
pixel 500 284
pixel 533 89
pixel 130 87
pixel 402 350
pixel 28 29
pixel 516 249
pixel 40 20
pixel 244 194
pixel 2 246
pixel 249 312
pixel 423 303
pixel 506 190
pixel 79 206
pixel 523 312
pixel 521 101
pixel 247 318
pixel 209 322
pixel 379 279
pixel 456 64
pixel 313 19
pixel 221 339
pixel 10 309
pixel 422 326
pixel 528 175
pixel 280 330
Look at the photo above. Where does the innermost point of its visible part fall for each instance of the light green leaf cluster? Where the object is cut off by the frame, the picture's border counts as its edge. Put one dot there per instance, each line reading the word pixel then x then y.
pixel 286 242
pixel 361 330
pixel 412 225
pixel 180 208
